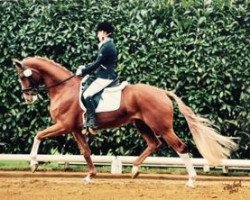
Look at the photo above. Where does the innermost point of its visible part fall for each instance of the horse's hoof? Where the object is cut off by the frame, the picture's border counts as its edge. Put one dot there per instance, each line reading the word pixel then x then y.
pixel 135 172
pixel 86 180
pixel 34 167
pixel 190 183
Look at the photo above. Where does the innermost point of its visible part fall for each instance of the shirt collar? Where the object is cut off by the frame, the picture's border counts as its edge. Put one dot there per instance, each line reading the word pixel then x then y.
pixel 103 42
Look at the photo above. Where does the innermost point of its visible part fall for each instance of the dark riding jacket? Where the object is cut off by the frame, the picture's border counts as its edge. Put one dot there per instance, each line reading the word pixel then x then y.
pixel 104 65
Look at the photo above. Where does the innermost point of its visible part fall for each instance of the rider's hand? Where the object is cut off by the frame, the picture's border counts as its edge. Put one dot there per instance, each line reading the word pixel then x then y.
pixel 79 70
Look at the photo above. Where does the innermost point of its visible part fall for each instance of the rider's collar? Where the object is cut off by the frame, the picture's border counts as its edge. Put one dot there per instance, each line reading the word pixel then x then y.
pixel 103 42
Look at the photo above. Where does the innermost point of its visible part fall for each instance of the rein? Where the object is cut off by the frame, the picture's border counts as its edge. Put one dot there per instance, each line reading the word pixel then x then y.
pixel 44 88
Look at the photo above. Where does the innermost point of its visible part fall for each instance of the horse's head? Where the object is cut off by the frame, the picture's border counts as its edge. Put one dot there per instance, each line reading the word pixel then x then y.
pixel 29 79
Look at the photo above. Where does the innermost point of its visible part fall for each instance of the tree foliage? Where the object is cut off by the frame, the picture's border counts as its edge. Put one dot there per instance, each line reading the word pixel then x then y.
pixel 199 49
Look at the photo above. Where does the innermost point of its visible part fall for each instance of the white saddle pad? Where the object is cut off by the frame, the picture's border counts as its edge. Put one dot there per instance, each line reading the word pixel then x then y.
pixel 110 98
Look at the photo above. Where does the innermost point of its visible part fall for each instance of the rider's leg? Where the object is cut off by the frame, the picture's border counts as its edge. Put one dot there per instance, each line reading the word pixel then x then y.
pixel 95 87
pixel 90 112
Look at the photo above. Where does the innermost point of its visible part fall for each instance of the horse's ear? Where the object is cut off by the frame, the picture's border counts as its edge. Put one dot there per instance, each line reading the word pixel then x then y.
pixel 18 63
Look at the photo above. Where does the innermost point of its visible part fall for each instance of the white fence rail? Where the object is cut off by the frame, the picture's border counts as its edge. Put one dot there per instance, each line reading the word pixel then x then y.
pixel 117 162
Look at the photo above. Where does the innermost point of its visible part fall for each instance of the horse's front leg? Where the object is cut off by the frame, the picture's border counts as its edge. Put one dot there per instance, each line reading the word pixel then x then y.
pixel 85 150
pixel 54 130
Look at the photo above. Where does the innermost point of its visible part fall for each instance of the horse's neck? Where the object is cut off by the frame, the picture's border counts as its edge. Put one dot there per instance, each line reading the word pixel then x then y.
pixel 50 72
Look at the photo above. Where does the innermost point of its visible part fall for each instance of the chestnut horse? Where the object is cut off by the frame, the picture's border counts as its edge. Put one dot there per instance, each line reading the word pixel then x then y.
pixel 148 107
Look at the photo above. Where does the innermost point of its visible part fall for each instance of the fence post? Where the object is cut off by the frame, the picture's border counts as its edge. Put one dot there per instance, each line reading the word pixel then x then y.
pixel 116 166
pixel 206 168
pixel 225 169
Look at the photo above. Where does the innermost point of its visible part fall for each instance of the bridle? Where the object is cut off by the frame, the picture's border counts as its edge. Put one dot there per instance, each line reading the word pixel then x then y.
pixel 34 88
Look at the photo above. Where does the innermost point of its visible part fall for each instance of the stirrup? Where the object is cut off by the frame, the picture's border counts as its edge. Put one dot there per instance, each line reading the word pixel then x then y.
pixel 87 131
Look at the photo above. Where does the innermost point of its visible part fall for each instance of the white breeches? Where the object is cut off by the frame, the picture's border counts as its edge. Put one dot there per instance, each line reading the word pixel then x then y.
pixel 96 86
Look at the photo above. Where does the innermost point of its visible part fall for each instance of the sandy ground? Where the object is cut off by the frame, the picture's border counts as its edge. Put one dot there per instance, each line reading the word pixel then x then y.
pixel 69 186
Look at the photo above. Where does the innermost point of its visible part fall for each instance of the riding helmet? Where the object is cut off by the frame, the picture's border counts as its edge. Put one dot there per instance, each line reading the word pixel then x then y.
pixel 105 26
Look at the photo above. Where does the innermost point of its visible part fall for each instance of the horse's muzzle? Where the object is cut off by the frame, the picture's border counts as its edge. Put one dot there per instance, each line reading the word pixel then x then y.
pixel 30 98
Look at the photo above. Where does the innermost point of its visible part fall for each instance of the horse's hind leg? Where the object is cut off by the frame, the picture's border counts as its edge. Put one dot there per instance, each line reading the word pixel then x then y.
pixel 85 150
pixel 152 141
pixel 175 142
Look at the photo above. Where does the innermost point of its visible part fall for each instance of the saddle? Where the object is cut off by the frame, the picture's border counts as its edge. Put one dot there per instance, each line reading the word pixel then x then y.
pixel 109 99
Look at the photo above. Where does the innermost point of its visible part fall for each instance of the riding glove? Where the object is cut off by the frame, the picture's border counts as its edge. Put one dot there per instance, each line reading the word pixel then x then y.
pixel 80 70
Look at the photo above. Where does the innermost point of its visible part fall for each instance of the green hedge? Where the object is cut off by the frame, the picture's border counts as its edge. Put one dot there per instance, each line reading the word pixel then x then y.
pixel 202 51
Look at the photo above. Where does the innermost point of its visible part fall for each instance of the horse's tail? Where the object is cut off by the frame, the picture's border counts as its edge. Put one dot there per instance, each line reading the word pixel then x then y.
pixel 212 146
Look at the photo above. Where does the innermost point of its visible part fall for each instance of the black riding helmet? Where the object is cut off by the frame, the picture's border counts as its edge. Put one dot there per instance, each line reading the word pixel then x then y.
pixel 105 26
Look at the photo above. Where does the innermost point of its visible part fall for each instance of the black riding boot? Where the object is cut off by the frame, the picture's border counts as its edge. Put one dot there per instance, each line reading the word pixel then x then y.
pixel 90 105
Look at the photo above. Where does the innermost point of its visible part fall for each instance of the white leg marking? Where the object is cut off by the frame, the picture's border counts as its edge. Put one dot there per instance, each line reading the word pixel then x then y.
pixel 190 169
pixel 87 180
pixel 135 171
pixel 33 154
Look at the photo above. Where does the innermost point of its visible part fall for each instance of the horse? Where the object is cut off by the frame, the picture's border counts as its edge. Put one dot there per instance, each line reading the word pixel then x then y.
pixel 148 107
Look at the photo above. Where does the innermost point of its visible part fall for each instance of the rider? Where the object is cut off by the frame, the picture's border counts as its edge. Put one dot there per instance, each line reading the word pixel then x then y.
pixel 101 70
